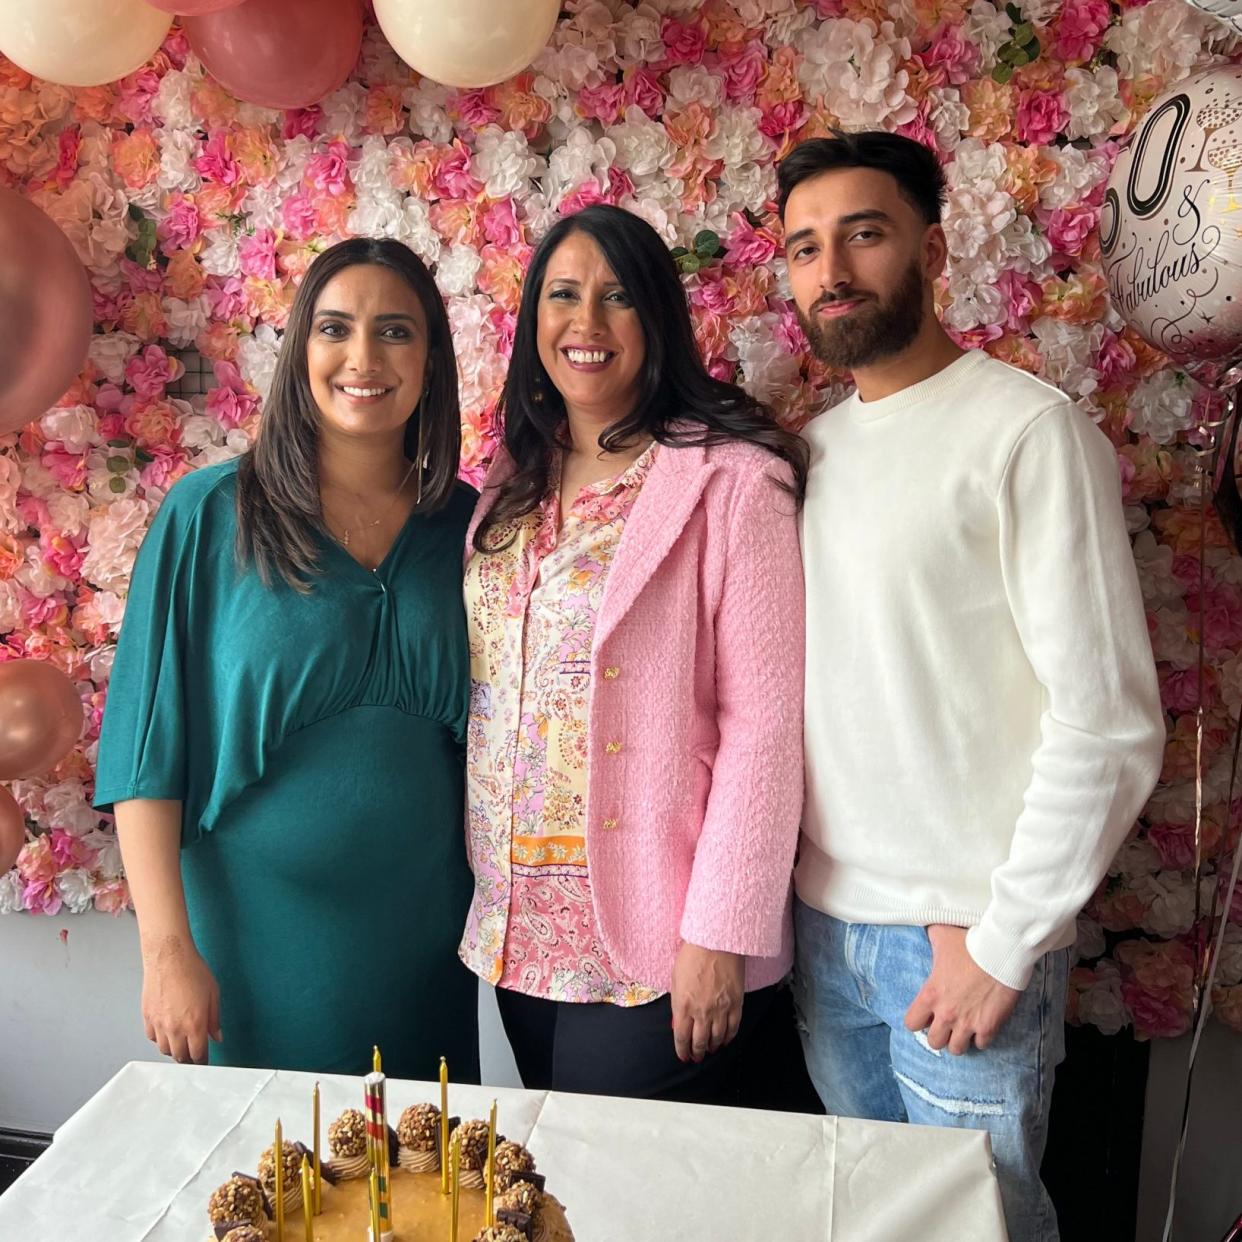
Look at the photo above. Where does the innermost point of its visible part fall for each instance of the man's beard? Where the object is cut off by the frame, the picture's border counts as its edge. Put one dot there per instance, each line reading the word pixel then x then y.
pixel 870 333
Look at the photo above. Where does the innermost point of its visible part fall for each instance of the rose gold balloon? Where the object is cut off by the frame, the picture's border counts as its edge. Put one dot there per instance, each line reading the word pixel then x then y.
pixel 40 718
pixel 12 830
pixel 45 312
pixel 276 54
pixel 193 8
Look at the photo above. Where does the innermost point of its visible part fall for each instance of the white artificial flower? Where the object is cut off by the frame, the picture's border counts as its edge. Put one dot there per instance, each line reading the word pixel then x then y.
pixel 638 34
pixel 1100 1004
pixel 344 112
pixel 504 162
pixel 75 889
pixel 769 372
pixel 1165 40
pixel 457 269
pixel 988 27
pixel 107 853
pixel 172 101
pixel 178 150
pixel 689 84
pixel 973 218
pixel 855 67
pixel 1090 940
pixel 949 117
pixel 1078 173
pixel 11 893
pixel 74 426
pixel 218 256
pixel 642 145
pixel 1093 97
pixel 65 805
pixel 1168 899
pixel 428 118
pixel 37 576
pixel 744 186
pixel 579 158
pixel 1154 563
pixel 261 206
pixel 1161 406
pixel 186 317
pixel 977 165
pixel 736 137
pixel 11 614
pixel 256 358
pixel 1067 351
pixel 1134 860
pixel 10 481
pixel 973 302
pixel 113 536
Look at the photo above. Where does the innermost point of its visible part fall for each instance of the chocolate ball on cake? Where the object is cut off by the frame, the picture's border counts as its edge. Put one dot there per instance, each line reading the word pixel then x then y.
pixel 473 1136
pixel 239 1199
pixel 245 1233
pixel 290 1158
pixel 500 1233
pixel 419 1128
pixel 512 1159
pixel 347 1135
pixel 521 1197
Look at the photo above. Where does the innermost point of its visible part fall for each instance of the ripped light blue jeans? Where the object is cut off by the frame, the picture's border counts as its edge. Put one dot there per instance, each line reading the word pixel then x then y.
pixel 853 983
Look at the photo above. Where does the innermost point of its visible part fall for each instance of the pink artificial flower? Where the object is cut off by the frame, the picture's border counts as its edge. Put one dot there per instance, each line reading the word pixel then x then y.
pixel 1158 1011
pixel 328 171
pixel 297 213
pixel 165 467
pixel 920 129
pixel 783 118
pixel 684 42
pixel 148 373
pixel 504 323
pixel 710 293
pixel 216 162
pixel 742 67
pixel 112 897
pixel 1179 689
pixel 233 402
pixel 1023 296
pixel 68 850
pixel 1128 472
pixel 722 369
pixel 601 103
pixel 1068 228
pixel 35 863
pixel 41 897
pixel 500 225
pixel 180 228
pixel 68 469
pixel 585 195
pixel 1042 115
pixel 475 108
pixel 301 122
pixel 135 94
pixel 68 144
pixel 748 246
pixel 1175 843
pixel 1115 361
pixel 952 53
pixel 62 554
pixel 1079 30
pixel 38 611
pixel 642 88
pixel 789 330
pixel 1222 616
pixel 141 279
pixel 256 256
pixel 452 176
pixel 176 47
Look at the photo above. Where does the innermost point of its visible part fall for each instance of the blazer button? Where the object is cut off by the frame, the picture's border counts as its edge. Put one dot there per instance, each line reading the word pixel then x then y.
pixel 613 748
pixel 612 673
pixel 609 824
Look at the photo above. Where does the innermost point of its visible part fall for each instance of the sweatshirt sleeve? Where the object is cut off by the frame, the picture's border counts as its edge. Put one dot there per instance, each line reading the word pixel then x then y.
pixel 738 897
pixel 1073 591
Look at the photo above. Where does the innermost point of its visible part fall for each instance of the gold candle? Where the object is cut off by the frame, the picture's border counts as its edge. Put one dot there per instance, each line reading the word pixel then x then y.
pixel 278 1151
pixel 377 1065
pixel 308 1206
pixel 318 1175
pixel 444 1139
pixel 456 1185
pixel 491 1166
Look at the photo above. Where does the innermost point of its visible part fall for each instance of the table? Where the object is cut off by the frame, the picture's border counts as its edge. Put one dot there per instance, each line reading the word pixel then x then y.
pixel 139 1162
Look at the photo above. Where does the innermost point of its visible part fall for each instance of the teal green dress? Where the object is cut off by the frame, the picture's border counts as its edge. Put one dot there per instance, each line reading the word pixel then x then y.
pixel 315 742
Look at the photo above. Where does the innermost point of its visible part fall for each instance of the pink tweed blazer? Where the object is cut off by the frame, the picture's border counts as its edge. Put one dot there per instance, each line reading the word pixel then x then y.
pixel 694 779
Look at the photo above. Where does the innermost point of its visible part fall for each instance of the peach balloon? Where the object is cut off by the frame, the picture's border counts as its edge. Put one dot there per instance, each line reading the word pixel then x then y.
pixel 276 54
pixel 81 42
pixel 12 830
pixel 467 42
pixel 45 307
pixel 193 8
pixel 40 718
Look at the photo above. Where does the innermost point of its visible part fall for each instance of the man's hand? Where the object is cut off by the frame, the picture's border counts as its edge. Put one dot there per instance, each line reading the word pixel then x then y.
pixel 707 995
pixel 959 1001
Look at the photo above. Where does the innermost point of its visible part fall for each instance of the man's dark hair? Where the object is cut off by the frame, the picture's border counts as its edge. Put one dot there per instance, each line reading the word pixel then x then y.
pixel 913 166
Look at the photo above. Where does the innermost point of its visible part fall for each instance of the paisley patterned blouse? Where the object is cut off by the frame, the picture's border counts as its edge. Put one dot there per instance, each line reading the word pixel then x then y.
pixel 531 610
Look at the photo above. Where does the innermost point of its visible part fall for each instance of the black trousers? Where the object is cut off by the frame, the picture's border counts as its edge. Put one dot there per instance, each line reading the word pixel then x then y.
pixel 602 1049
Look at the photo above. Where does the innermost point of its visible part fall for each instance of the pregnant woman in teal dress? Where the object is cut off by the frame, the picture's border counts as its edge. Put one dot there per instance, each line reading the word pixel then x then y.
pixel 283 733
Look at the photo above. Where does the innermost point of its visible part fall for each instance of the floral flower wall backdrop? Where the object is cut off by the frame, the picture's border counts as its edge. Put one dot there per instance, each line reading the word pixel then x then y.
pixel 196 215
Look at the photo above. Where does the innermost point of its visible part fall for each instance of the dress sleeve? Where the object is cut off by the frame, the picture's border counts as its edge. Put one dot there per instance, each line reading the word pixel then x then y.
pixel 142 745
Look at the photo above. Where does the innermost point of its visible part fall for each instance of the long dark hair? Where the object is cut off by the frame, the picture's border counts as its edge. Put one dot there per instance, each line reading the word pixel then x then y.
pixel 679 402
pixel 279 513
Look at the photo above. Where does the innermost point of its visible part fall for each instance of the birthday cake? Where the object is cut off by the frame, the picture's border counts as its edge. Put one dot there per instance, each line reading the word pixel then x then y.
pixel 395 1178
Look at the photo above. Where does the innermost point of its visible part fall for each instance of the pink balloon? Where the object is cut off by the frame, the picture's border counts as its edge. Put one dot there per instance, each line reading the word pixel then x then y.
pixel 46 310
pixel 12 830
pixel 276 54
pixel 193 8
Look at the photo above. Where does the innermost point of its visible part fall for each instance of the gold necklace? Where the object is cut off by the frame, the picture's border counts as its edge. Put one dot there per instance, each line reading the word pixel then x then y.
pixel 346 531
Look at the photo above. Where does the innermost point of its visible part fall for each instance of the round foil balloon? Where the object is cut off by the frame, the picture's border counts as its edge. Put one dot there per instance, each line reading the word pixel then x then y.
pixel 1171 223
pixel 45 310
pixel 467 42
pixel 194 8
pixel 40 718
pixel 81 42
pixel 12 830
pixel 276 54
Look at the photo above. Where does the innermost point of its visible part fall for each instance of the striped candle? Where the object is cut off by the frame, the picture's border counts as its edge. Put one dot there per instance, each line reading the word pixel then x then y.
pixel 377 1145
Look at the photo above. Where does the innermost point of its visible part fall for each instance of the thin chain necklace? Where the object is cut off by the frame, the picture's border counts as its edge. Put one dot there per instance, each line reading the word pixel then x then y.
pixel 348 531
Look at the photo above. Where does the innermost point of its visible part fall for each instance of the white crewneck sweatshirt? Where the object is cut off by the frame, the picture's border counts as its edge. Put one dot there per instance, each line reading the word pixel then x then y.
pixel 983 722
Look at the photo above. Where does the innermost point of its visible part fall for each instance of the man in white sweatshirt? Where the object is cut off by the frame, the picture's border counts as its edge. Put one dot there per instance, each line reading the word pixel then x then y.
pixel 983 723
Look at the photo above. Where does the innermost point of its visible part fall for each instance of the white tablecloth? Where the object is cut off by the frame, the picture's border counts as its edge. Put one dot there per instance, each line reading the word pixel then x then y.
pixel 140 1160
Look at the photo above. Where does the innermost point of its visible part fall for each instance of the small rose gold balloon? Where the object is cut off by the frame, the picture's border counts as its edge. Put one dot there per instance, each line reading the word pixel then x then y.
pixel 40 718
pixel 12 830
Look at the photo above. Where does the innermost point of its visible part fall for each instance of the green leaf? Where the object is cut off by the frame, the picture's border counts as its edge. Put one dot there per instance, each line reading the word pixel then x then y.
pixel 1015 13
pixel 1024 33
pixel 1021 58
pixel 119 443
pixel 678 251
pixel 136 212
pixel 1032 49
pixel 119 465
pixel 1002 73
pixel 142 457
pixel 690 263
pixel 706 243
pixel 116 484
pixel 1009 53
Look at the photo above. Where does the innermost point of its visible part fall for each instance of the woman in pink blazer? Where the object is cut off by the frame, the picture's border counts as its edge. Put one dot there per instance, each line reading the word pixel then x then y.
pixel 634 599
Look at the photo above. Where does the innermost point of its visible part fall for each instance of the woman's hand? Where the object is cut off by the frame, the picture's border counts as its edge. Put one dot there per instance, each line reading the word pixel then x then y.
pixel 708 988
pixel 180 1000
